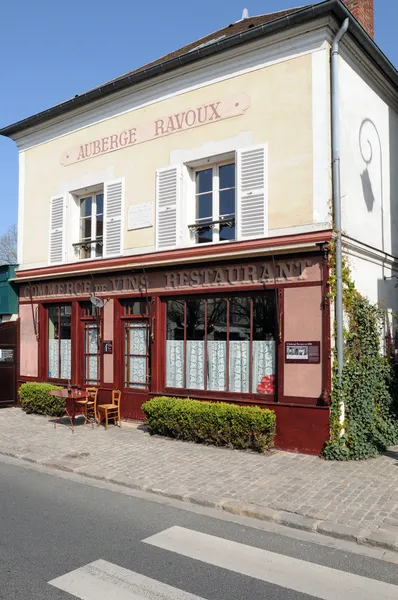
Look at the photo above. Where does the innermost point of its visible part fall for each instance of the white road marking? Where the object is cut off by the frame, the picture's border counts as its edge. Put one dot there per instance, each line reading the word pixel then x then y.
pixel 102 580
pixel 292 573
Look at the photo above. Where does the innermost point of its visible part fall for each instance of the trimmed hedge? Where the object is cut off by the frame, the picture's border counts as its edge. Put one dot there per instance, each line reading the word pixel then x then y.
pixel 35 399
pixel 218 423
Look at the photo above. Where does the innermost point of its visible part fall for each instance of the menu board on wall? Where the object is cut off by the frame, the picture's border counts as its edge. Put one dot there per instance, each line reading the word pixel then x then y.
pixel 303 352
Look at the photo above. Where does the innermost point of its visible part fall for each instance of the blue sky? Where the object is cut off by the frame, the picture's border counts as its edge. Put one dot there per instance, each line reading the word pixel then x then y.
pixel 51 51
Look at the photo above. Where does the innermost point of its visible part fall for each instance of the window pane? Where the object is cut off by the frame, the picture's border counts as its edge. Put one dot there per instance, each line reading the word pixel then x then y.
pixel 239 346
pixel 204 181
pixel 204 206
pixel 195 334
pixel 91 350
pixel 136 307
pixel 86 207
pixel 175 364
pixel 227 234
pixel 65 342
pixel 205 236
pixel 53 342
pixel 264 344
pixel 99 198
pixel 216 344
pixel 136 355
pixel 89 310
pixel 100 227
pixel 136 366
pixel 59 341
pixel 227 202
pixel 98 250
pixel 85 229
pixel 6 355
pixel 204 213
pixel 227 176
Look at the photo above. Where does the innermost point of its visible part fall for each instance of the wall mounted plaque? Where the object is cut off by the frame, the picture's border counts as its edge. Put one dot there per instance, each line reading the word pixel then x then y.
pixel 108 347
pixel 303 352
pixel 140 216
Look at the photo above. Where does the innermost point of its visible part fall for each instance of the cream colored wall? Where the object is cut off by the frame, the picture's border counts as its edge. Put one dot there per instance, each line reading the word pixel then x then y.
pixel 280 114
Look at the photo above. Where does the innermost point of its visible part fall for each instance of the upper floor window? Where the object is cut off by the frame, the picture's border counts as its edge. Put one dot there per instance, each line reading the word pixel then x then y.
pixel 215 204
pixel 91 225
pixel 87 223
pixel 222 198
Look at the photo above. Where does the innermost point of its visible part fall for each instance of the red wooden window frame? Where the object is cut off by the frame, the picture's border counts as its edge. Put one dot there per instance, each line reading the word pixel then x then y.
pixel 88 318
pixel 129 316
pixel 227 395
pixel 46 307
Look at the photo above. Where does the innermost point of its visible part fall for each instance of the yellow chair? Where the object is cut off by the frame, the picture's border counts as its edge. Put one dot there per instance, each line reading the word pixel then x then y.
pixel 90 407
pixel 110 410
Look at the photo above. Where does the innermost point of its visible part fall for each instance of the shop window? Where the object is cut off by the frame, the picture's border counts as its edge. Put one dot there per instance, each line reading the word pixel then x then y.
pixel 136 354
pixel 135 314
pixel 215 204
pixel 222 344
pixel 59 341
pixel 91 226
pixel 92 355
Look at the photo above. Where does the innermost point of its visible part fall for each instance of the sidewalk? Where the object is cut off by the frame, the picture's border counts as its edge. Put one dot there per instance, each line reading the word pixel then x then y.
pixel 353 500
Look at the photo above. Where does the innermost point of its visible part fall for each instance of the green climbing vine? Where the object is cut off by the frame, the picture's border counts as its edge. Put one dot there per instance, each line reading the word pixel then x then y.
pixel 369 382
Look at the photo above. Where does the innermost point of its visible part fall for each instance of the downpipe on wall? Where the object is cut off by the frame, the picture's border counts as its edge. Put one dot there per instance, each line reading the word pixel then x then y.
pixel 337 203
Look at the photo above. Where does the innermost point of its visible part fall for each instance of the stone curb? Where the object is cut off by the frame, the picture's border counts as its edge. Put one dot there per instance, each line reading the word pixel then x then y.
pixel 381 538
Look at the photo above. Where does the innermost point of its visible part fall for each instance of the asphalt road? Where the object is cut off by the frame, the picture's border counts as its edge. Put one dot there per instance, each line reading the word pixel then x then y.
pixel 95 543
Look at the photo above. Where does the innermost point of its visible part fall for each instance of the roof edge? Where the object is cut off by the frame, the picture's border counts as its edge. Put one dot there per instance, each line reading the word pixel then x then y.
pixel 302 16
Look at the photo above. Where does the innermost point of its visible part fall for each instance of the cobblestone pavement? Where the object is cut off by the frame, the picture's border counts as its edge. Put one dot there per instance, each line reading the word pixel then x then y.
pixel 354 500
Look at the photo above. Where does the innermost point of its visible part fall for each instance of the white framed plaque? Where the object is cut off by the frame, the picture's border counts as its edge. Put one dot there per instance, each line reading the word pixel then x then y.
pixel 140 216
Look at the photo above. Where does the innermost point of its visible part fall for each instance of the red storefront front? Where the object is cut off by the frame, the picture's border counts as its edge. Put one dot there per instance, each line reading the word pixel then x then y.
pixel 246 330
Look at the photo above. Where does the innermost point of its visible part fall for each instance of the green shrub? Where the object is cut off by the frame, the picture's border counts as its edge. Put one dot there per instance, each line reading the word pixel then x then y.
pixel 221 424
pixel 35 399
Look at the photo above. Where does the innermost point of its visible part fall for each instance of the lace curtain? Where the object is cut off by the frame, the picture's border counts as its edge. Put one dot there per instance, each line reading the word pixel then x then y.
pixel 239 368
pixel 55 349
pixel 137 365
pixel 216 365
pixel 195 364
pixel 92 375
pixel 264 362
pixel 175 363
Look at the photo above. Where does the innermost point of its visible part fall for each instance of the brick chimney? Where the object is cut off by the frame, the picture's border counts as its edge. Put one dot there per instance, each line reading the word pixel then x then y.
pixel 363 11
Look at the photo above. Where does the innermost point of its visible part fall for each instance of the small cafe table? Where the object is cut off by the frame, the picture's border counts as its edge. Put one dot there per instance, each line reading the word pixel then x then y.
pixel 73 398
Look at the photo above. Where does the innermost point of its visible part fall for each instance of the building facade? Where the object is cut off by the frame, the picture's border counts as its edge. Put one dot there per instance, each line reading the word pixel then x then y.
pixel 173 232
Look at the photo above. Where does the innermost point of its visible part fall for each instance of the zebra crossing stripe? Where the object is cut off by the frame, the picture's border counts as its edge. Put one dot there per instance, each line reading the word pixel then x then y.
pixel 102 580
pixel 292 573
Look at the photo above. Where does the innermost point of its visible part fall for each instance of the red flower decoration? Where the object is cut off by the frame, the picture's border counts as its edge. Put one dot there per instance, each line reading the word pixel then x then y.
pixel 267 385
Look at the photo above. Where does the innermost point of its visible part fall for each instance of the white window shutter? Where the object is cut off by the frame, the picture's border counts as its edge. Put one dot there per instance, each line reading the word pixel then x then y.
pixel 168 192
pixel 57 235
pixel 252 197
pixel 113 217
